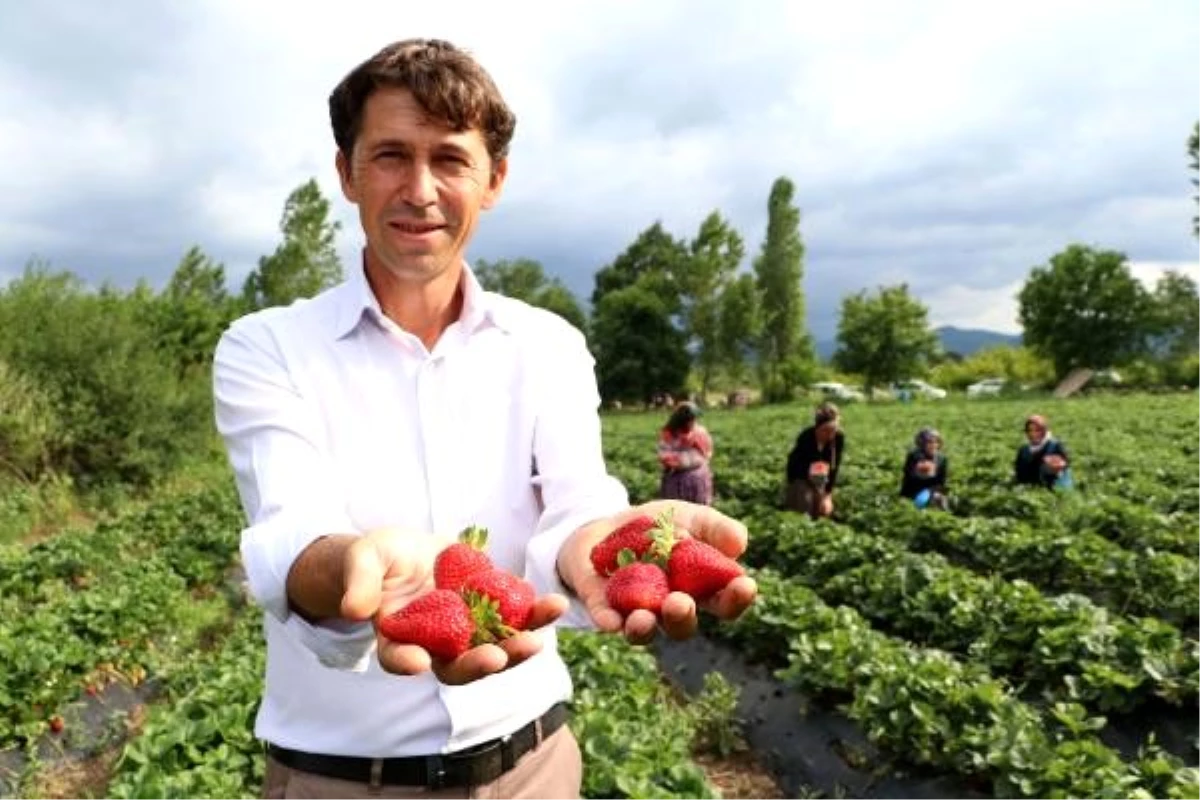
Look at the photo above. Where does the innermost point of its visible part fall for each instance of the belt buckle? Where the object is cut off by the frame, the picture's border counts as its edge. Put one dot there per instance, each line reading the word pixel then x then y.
pixel 435 773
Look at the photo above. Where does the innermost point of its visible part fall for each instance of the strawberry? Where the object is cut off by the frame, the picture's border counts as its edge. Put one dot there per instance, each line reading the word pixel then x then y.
pixel 699 569
pixel 511 595
pixel 637 584
pixel 57 724
pixel 440 621
pixel 638 535
pixel 458 561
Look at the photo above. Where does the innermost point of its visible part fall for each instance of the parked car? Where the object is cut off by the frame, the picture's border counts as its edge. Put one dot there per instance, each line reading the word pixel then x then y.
pixel 918 388
pixel 987 387
pixel 837 391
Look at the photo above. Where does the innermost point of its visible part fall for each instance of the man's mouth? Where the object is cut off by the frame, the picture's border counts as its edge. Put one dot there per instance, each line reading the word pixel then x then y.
pixel 415 228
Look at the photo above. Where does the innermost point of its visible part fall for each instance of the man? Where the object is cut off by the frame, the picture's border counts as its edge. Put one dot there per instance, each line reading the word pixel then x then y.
pixel 813 464
pixel 368 424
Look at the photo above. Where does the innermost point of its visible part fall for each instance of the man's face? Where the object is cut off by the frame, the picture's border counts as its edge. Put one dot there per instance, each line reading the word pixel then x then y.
pixel 418 185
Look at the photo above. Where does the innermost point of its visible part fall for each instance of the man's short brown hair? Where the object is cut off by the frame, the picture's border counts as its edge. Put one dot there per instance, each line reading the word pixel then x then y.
pixel 446 82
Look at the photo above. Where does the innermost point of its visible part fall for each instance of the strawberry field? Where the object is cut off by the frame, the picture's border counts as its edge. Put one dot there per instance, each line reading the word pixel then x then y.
pixel 1024 644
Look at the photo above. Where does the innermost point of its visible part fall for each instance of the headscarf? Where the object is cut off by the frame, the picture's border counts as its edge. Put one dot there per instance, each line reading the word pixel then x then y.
pixel 926 435
pixel 826 412
pixel 1047 436
pixel 684 415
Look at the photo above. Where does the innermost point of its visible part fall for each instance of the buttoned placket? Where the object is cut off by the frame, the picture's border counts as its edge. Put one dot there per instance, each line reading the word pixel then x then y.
pixel 431 412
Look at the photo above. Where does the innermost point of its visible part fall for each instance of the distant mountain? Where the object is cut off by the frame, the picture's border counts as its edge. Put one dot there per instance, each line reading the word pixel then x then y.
pixel 963 341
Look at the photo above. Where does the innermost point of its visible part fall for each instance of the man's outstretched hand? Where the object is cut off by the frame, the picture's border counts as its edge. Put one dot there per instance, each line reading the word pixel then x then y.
pixel 679 610
pixel 387 569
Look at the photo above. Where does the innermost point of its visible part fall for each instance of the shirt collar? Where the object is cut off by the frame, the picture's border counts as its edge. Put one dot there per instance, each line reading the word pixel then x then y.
pixel 357 301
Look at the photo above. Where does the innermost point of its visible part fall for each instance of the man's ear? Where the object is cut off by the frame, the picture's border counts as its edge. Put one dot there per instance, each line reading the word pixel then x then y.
pixel 345 176
pixel 496 183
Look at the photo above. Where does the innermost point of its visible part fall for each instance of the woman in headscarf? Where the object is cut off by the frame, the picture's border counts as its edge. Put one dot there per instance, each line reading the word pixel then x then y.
pixel 814 462
pixel 1043 460
pixel 925 468
pixel 684 451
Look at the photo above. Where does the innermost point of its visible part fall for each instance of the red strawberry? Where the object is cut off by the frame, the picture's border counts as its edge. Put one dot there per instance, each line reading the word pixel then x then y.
pixel 699 569
pixel 638 535
pixel 635 585
pixel 441 622
pixel 57 724
pixel 458 561
pixel 513 597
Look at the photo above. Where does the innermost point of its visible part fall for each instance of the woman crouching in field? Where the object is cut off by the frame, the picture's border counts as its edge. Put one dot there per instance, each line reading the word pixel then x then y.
pixel 813 464
pixel 684 451
pixel 925 469
pixel 1043 460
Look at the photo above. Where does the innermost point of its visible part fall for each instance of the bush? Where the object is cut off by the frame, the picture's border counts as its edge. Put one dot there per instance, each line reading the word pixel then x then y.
pixel 124 413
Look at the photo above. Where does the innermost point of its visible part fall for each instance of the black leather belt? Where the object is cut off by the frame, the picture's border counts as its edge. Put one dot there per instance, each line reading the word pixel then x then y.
pixel 471 767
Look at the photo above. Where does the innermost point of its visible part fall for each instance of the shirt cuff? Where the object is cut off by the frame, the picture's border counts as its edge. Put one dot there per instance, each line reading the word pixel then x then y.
pixel 541 562
pixel 268 551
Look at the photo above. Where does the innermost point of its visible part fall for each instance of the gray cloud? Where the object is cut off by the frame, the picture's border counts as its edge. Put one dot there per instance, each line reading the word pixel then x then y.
pixel 927 145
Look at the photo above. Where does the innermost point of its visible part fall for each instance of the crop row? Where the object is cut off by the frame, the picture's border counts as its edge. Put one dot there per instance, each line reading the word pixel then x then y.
pixel 932 709
pixel 1163 585
pixel 1066 645
pixel 121 597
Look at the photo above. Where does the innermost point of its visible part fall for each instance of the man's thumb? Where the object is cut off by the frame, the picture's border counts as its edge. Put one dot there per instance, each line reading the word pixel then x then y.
pixel 364 581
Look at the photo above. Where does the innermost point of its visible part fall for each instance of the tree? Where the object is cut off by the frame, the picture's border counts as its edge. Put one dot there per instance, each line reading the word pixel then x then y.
pixel 638 349
pixel 784 344
pixel 884 336
pixel 1085 309
pixel 525 279
pixel 1194 166
pixel 655 259
pixel 193 311
pixel 306 261
pixel 715 254
pixel 1176 310
pixel 739 326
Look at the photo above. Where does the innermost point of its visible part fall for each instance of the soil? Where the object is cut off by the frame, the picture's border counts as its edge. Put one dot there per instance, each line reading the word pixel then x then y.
pixel 740 776
pixel 808 751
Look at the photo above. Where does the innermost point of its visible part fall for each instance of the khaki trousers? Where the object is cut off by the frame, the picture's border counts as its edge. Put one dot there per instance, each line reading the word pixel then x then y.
pixel 554 769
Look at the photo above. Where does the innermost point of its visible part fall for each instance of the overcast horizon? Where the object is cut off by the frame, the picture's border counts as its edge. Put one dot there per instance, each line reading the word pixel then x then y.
pixel 950 146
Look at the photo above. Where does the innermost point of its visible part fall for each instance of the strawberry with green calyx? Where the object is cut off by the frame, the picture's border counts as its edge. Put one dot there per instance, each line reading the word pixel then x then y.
pixel 442 623
pixel 636 585
pixel 460 560
pixel 699 569
pixel 511 596
pixel 637 535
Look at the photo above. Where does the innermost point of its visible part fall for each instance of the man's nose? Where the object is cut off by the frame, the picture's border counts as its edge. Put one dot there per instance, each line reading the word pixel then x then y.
pixel 420 186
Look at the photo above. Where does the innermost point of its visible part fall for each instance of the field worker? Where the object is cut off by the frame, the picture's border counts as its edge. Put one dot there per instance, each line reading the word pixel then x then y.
pixel 814 462
pixel 1043 460
pixel 925 467
pixel 371 422
pixel 685 449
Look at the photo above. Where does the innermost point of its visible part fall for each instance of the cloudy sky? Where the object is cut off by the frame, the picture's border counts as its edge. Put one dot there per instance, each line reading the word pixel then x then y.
pixel 949 145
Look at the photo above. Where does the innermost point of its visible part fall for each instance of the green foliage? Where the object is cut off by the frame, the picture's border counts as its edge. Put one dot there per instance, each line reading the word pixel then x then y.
pixel 739 325
pixel 1020 365
pixel 884 336
pixel 30 430
pixel 779 270
pixel 123 411
pixel 638 350
pixel 525 279
pixel 1085 309
pixel 192 312
pixel 715 253
pixel 1176 315
pixel 306 261
pixel 655 261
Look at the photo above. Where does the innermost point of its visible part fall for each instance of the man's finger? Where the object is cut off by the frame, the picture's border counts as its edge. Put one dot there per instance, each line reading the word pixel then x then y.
pixel 591 592
pixel 476 663
pixel 521 646
pixel 732 601
pixel 364 572
pixel 546 609
pixel 640 626
pixel 403 659
pixel 679 616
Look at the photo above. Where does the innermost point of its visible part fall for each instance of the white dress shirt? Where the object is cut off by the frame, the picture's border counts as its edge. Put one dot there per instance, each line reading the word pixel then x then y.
pixel 338 421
